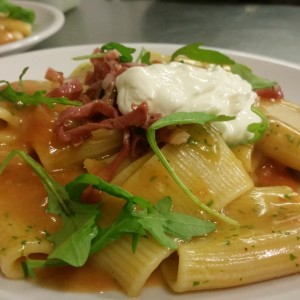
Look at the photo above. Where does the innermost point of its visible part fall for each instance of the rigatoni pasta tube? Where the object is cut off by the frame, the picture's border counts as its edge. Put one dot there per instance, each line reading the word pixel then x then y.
pixel 205 164
pixel 52 156
pixel 125 170
pixel 9 125
pixel 190 162
pixel 131 270
pixel 24 225
pixel 101 143
pixel 17 242
pixel 282 139
pixel 244 155
pixel 265 246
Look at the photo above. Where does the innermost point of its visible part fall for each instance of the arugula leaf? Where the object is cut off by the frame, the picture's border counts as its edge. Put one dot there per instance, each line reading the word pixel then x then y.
pixel 29 265
pixel 193 51
pixel 185 118
pixel 156 219
pixel 8 93
pixel 74 239
pixel 163 224
pixel 126 223
pixel 258 129
pixel 246 73
pixel 39 97
pixel 56 193
pixel 122 49
pixel 88 56
pixel 72 243
pixel 144 57
pixel 77 186
pixel 80 235
pixel 17 12
pixel 125 52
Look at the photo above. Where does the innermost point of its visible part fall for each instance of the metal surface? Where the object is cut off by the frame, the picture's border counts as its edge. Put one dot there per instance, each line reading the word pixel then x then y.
pixel 268 29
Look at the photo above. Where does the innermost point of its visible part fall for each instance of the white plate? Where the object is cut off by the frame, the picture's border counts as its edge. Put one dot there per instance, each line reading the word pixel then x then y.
pixel 288 76
pixel 48 21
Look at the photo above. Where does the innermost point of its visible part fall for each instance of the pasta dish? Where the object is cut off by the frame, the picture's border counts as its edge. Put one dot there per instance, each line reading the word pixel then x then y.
pixel 15 22
pixel 184 163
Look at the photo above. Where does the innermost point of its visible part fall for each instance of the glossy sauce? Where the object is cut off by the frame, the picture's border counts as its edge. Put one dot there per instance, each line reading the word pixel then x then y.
pixel 87 279
pixel 271 173
pixel 25 201
pixel 25 198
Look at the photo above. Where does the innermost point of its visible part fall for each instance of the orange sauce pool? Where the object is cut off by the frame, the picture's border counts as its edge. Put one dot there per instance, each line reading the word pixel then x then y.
pixel 25 198
pixel 87 279
pixel 271 173
pixel 25 201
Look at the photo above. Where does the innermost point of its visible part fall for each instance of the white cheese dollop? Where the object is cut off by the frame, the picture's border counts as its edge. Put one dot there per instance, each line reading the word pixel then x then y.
pixel 178 87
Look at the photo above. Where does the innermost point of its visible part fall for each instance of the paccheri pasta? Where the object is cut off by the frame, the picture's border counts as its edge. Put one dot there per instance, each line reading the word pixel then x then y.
pixel 139 191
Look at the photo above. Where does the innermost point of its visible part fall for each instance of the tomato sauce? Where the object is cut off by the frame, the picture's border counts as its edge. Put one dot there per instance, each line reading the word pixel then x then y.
pixel 272 173
pixel 25 201
pixel 87 279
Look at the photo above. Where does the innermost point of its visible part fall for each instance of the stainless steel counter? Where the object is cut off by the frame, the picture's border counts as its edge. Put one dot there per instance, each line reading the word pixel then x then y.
pixel 269 29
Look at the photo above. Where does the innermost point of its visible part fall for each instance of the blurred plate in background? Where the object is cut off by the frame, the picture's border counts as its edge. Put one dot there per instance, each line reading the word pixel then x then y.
pixel 48 21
